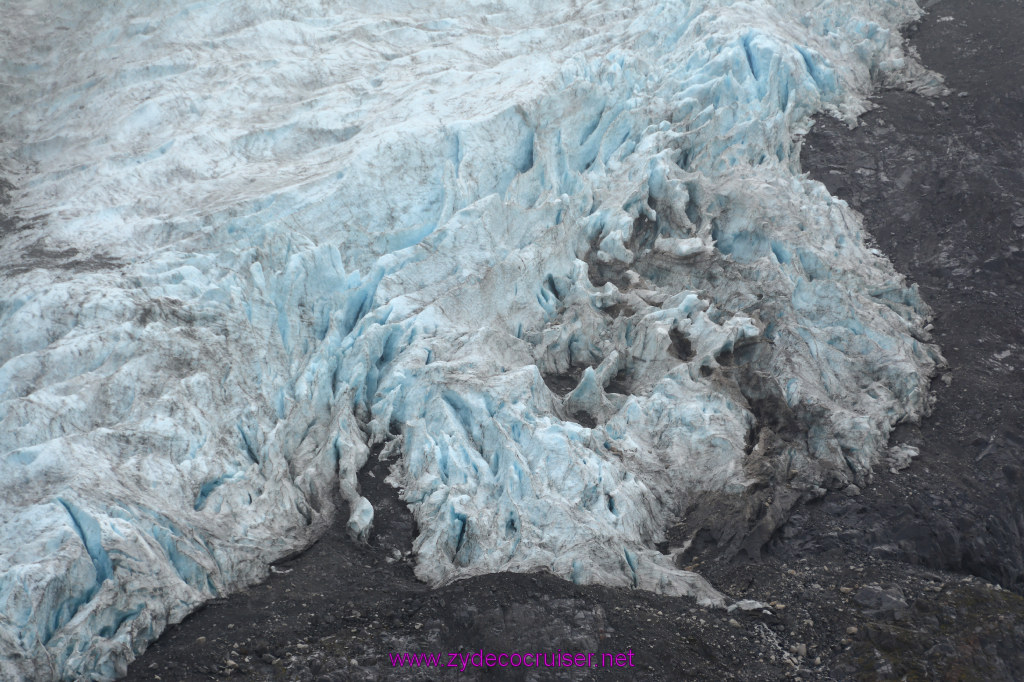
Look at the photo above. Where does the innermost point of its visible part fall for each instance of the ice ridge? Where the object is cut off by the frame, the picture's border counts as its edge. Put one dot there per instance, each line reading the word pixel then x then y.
pixel 557 260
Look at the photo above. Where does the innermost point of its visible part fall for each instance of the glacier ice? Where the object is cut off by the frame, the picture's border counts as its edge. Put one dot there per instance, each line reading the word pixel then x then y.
pixel 557 259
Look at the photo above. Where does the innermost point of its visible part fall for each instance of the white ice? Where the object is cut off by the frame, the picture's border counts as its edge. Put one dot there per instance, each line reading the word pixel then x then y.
pixel 255 239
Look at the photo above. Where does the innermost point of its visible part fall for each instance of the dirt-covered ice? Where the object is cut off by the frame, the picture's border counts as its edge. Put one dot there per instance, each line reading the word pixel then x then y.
pixel 560 259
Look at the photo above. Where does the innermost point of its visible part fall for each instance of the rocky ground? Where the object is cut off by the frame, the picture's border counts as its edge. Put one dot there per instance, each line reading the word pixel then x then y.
pixel 919 576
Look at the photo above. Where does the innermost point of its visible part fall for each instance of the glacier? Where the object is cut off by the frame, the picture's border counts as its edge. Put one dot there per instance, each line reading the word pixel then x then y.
pixel 557 261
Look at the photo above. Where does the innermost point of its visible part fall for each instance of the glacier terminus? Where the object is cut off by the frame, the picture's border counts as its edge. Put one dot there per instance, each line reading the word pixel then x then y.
pixel 556 261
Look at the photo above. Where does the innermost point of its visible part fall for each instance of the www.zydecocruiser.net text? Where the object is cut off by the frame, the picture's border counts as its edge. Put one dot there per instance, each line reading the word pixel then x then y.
pixel 479 659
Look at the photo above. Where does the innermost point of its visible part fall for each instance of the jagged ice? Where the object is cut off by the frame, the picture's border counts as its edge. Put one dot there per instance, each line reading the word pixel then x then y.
pixel 556 260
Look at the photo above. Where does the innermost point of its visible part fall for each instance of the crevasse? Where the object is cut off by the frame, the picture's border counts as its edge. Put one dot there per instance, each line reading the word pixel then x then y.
pixel 556 259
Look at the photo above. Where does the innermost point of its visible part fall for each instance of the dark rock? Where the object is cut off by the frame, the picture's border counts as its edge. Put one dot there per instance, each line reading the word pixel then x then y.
pixel 882 603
